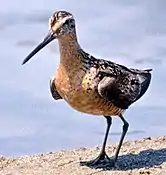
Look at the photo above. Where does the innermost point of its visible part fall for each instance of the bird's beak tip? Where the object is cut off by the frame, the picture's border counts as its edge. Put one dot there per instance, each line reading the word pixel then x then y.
pixel 22 63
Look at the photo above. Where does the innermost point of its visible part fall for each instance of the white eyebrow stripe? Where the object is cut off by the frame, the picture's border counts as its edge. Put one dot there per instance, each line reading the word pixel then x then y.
pixel 65 18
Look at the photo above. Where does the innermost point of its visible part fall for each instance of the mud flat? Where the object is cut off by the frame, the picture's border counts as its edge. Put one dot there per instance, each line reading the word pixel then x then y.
pixel 145 156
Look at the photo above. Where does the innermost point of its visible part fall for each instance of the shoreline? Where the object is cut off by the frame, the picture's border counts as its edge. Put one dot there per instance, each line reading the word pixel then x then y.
pixel 144 156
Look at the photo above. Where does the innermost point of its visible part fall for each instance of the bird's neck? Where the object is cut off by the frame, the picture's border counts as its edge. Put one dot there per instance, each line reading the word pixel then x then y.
pixel 69 47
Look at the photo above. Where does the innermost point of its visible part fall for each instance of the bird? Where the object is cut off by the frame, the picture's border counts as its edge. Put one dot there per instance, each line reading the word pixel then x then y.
pixel 91 85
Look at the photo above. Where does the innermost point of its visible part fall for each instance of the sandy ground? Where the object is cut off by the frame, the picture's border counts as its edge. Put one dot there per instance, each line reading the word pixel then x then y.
pixel 146 156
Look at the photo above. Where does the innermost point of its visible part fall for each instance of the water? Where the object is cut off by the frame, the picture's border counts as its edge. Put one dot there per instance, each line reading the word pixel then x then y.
pixel 128 32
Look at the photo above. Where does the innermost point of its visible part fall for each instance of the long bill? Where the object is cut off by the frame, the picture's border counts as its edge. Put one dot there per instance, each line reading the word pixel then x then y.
pixel 46 40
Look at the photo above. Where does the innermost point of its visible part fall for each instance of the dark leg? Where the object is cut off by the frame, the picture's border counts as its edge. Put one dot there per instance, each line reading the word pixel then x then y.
pixel 102 154
pixel 125 128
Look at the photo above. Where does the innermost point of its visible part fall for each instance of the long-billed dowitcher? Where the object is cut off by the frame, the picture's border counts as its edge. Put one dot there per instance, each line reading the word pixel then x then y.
pixel 90 85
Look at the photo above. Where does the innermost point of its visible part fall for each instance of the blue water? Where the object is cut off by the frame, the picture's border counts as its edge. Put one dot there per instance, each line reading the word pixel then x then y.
pixel 127 32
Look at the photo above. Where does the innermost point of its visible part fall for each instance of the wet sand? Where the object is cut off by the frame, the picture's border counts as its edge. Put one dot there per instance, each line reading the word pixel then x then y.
pixel 145 156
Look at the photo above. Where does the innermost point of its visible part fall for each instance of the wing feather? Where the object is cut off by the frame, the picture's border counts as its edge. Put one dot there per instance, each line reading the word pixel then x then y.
pixel 123 87
pixel 54 91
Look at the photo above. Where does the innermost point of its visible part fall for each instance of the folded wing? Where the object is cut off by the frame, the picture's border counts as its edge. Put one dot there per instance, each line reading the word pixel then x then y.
pixel 124 87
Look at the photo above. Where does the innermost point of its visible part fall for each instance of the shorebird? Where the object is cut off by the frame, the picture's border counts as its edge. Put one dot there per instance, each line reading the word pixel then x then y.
pixel 90 85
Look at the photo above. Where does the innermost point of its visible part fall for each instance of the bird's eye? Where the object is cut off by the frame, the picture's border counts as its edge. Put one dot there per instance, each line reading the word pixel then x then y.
pixel 67 21
pixel 70 23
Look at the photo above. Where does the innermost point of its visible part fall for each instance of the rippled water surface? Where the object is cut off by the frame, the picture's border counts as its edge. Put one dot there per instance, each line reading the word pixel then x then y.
pixel 128 32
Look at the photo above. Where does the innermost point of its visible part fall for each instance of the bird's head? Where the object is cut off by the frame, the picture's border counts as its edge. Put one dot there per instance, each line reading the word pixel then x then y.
pixel 60 24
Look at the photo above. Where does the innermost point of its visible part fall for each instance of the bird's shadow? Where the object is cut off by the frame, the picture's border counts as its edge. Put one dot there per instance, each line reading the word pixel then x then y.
pixel 145 159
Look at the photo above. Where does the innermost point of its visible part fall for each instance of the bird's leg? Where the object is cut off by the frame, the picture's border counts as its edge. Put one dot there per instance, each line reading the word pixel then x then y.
pixel 102 154
pixel 125 128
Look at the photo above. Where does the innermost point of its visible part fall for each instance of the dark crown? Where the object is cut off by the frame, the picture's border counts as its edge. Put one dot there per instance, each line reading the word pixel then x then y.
pixel 58 16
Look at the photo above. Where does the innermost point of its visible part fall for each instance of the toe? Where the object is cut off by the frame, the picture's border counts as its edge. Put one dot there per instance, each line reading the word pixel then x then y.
pixel 99 160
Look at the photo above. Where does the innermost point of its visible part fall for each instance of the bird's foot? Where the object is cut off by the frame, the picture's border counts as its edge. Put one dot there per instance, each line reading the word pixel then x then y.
pixel 100 160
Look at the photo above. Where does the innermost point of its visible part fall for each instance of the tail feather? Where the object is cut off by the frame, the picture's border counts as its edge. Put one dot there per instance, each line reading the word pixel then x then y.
pixel 145 83
pixel 148 70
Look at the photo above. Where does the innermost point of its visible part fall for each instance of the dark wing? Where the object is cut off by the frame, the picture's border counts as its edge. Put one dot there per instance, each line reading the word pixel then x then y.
pixel 54 91
pixel 123 86
pixel 146 79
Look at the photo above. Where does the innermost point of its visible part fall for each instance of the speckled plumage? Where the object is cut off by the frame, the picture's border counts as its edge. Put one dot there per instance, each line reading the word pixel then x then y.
pixel 98 86
pixel 90 85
